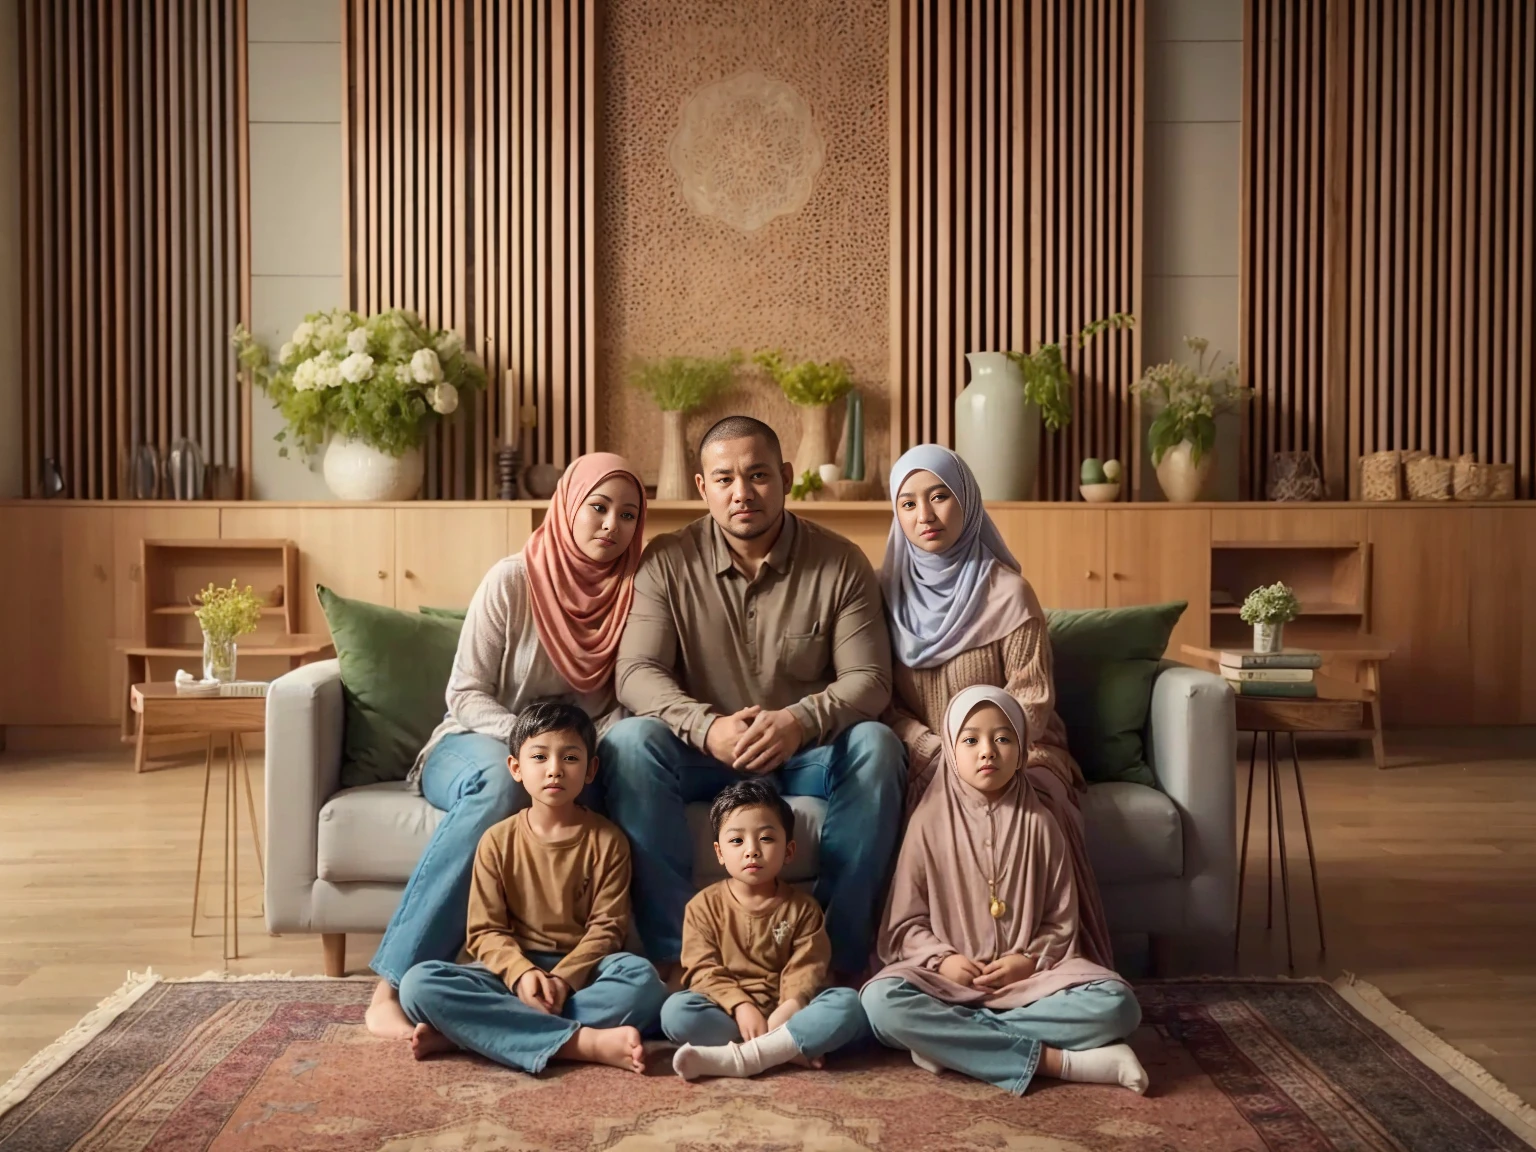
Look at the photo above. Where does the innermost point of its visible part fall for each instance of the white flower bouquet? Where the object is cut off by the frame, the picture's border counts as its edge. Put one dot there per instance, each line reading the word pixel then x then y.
pixel 382 379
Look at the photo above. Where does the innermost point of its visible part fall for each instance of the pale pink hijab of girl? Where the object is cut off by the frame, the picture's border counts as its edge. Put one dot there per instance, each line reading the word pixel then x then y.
pixel 580 604
pixel 940 902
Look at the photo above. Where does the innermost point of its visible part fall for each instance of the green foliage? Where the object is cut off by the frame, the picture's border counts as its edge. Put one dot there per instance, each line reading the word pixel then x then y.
pixel 808 384
pixel 1276 604
pixel 810 481
pixel 226 613
pixel 383 379
pixel 1187 398
pixel 683 383
pixel 1048 380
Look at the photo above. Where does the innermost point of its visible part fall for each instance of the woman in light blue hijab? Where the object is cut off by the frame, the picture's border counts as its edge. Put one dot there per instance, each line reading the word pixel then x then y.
pixel 961 614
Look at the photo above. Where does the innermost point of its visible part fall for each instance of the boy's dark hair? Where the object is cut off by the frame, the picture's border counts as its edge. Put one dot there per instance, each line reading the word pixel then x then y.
pixel 742 428
pixel 752 794
pixel 552 716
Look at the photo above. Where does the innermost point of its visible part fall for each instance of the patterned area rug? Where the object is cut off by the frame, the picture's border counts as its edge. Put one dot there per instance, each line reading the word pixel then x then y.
pixel 276 1063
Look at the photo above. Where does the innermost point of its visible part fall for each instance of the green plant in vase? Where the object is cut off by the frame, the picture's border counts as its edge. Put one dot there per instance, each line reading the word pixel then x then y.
pixel 813 387
pixel 678 385
pixel 225 615
pixel 1186 399
pixel 1269 610
pixel 1048 380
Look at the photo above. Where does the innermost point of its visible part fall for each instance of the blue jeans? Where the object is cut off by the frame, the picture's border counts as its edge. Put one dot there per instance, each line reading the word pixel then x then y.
pixel 831 1021
pixel 471 1006
pixel 651 776
pixel 1000 1047
pixel 467 776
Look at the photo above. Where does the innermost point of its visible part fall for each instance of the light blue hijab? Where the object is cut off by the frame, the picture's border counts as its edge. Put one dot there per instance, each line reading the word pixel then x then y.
pixel 971 594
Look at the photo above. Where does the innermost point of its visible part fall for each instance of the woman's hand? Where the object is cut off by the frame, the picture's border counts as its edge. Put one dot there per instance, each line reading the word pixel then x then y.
pixel 536 988
pixel 783 1012
pixel 749 1021
pixel 959 968
pixel 1006 970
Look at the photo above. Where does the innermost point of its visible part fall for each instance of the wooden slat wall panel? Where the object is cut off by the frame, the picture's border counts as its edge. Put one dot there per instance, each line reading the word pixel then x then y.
pixel 1016 145
pixel 471 199
pixel 1396 310
pixel 134 202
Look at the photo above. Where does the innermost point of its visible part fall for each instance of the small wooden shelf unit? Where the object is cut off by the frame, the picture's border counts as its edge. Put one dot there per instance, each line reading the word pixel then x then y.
pixel 1331 578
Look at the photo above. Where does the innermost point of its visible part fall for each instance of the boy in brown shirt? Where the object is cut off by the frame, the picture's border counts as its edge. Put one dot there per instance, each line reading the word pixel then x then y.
pixel 548 915
pixel 755 954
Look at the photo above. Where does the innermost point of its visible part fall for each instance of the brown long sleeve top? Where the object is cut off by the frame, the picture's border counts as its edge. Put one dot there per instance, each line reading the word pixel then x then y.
pixel 807 634
pixel 735 957
pixel 531 895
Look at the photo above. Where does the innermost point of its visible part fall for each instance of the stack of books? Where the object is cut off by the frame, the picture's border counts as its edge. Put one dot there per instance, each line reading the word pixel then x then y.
pixel 1289 672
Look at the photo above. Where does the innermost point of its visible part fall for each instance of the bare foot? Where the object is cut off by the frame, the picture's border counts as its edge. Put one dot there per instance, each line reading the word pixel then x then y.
pixel 385 1018
pixel 428 1041
pixel 616 1047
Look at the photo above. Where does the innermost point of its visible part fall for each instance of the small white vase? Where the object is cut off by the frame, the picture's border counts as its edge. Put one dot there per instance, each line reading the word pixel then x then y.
pixel 355 471
pixel 675 479
pixel 1181 479
pixel 997 429
pixel 1268 637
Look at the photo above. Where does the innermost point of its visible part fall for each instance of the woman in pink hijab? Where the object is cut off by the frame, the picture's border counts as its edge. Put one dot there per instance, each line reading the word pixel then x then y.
pixel 544 623
pixel 982 942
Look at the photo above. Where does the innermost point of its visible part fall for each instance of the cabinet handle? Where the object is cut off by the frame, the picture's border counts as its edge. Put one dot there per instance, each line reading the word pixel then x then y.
pixel 1117 575
pixel 409 575
pixel 1090 575
pixel 382 573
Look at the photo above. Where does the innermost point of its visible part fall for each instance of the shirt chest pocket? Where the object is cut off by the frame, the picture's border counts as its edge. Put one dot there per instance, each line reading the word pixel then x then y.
pixel 803 656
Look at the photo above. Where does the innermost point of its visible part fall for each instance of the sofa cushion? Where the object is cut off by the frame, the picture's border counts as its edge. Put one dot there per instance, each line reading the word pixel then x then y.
pixel 1105 661
pixel 394 675
pixel 1134 834
pixel 376 832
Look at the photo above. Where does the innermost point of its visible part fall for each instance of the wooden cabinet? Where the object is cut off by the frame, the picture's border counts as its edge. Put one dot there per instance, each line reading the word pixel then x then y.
pixel 1501 567
pixel 1292 523
pixel 1061 554
pixel 441 556
pixel 1161 555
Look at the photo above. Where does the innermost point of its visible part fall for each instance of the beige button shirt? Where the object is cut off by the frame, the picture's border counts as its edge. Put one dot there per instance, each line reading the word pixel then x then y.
pixel 807 634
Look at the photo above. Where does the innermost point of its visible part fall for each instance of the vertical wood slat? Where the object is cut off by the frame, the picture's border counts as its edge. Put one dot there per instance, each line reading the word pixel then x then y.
pixel 134 276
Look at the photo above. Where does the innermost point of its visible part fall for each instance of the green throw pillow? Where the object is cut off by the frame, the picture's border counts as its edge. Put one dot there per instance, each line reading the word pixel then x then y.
pixel 394 675
pixel 445 613
pixel 1106 660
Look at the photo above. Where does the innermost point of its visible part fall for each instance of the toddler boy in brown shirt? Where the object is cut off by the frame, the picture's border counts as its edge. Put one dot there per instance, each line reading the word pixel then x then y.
pixel 755 954
pixel 548 915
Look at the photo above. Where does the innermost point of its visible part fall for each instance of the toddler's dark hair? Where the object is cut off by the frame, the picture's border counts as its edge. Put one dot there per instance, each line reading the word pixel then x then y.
pixel 549 715
pixel 752 794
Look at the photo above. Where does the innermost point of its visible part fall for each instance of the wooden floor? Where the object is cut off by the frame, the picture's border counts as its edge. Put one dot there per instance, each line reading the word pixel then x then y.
pixel 1428 884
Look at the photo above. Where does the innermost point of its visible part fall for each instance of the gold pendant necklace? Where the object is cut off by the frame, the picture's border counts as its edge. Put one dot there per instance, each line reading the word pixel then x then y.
pixel 997 907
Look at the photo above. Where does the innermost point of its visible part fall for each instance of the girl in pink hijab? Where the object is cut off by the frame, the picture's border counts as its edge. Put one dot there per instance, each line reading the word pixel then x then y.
pixel 982 943
pixel 544 623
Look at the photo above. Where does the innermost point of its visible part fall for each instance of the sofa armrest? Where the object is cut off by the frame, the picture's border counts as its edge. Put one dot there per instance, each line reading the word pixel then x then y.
pixel 1192 748
pixel 304 729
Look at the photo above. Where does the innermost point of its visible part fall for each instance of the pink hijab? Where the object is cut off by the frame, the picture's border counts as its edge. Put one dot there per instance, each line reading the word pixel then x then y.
pixel 940 902
pixel 580 604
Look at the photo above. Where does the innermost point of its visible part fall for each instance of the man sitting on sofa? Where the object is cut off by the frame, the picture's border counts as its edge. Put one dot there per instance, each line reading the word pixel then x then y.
pixel 756 645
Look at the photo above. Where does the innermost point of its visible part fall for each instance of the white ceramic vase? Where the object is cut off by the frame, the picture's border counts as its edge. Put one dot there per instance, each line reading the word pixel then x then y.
pixel 355 471
pixel 1181 479
pixel 1268 637
pixel 675 479
pixel 997 430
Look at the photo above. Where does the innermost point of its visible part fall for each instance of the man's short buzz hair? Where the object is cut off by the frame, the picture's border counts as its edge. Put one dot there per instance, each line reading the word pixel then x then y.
pixel 550 715
pixel 741 428
pixel 751 794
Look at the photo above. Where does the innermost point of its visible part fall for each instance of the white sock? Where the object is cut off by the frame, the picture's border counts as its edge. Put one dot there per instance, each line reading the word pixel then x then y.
pixel 926 1064
pixel 767 1051
pixel 1112 1064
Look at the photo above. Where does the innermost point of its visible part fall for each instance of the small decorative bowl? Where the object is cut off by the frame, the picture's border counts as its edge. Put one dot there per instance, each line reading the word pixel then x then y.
pixel 1100 493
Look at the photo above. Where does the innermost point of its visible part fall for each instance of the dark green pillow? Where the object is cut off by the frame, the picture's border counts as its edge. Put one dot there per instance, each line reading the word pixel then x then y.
pixel 445 613
pixel 394 676
pixel 1106 660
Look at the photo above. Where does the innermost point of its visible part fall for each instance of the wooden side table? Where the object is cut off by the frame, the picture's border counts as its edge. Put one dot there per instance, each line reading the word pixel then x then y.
pixel 164 712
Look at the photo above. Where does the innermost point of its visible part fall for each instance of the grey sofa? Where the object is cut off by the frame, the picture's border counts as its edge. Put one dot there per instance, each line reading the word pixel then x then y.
pixel 337 858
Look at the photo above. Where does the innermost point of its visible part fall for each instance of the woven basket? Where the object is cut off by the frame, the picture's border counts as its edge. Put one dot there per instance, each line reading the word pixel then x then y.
pixel 1429 478
pixel 1503 482
pixel 1381 476
pixel 1474 481
pixel 1294 476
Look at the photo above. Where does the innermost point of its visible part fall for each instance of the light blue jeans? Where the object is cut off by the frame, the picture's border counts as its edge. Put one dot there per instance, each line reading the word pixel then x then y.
pixel 1000 1047
pixel 466 775
pixel 471 1006
pixel 831 1021
pixel 651 776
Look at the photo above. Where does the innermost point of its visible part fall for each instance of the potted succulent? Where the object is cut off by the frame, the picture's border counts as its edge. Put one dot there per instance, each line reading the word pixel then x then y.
pixel 1269 610
pixel 366 388
pixel 226 614
pixel 678 385
pixel 1186 399
pixel 998 415
pixel 813 388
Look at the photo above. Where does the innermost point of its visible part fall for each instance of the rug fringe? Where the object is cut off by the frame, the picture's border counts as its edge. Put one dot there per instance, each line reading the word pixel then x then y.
pixel 245 978
pixel 1457 1068
pixel 53 1057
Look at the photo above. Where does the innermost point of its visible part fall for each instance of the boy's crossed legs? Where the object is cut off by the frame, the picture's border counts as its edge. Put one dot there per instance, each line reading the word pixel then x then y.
pixel 711 1043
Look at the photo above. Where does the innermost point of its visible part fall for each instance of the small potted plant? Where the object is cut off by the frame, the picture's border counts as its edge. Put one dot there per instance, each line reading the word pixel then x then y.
pixel 225 614
pixel 813 388
pixel 1186 399
pixel 678 385
pixel 1269 610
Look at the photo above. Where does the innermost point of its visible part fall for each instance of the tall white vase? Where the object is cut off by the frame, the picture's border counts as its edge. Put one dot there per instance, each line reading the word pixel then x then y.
pixel 355 471
pixel 1181 479
pixel 997 430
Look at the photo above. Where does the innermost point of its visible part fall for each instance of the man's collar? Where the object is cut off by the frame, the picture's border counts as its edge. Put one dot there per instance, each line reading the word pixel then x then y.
pixel 778 557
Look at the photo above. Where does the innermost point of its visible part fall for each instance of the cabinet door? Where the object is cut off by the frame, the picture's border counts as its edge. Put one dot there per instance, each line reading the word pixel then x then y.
pixel 441 557
pixel 1502 574
pixel 1420 599
pixel 1061 553
pixel 29 603
pixel 1156 555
